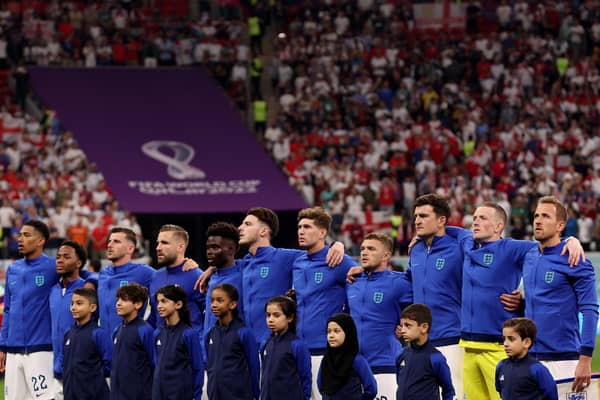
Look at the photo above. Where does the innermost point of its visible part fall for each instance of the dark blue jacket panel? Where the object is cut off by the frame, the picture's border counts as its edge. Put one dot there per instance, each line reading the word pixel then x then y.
pixel 422 371
pixel 179 372
pixel 286 369
pixel 133 361
pixel 525 379
pixel 62 320
pixel 85 362
pixel 232 362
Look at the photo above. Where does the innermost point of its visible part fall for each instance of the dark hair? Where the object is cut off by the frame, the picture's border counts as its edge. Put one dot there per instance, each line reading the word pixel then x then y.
pixel 79 250
pixel 178 232
pixel 129 234
pixel 268 217
pixel 96 265
pixel 382 238
pixel 438 203
pixel 224 230
pixel 89 294
pixel 418 312
pixel 318 215
pixel 500 212
pixel 176 293
pixel 39 226
pixel 524 327
pixel 133 292
pixel 288 307
pixel 232 293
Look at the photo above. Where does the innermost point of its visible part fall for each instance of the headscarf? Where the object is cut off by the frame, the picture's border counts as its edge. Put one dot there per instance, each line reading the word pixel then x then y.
pixel 338 362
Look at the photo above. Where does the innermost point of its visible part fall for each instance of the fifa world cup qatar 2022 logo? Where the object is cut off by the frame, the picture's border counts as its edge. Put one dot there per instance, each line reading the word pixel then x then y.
pixel 186 179
pixel 178 165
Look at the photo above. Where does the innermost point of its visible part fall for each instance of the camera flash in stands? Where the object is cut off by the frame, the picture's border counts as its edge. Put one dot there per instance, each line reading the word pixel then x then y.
pixel 281 35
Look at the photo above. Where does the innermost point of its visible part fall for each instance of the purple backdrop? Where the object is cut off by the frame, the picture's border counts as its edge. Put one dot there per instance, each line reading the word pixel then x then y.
pixel 167 141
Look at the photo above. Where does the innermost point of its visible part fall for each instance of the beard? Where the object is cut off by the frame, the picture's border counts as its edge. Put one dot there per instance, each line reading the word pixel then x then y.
pixel 166 260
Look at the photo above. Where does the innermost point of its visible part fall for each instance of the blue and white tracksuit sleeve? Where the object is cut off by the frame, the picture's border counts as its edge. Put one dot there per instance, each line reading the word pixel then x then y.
pixel 192 340
pixel 442 374
pixel 587 303
pixel 146 335
pixel 361 366
pixel 104 346
pixel 545 382
pixel 302 356
pixel 251 350
pixel 5 314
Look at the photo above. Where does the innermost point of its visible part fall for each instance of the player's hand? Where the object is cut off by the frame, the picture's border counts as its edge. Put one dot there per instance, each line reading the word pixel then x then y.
pixel 2 361
pixel 576 253
pixel 583 374
pixel 412 243
pixel 398 332
pixel 202 282
pixel 335 254
pixel 353 273
pixel 511 301
pixel 189 265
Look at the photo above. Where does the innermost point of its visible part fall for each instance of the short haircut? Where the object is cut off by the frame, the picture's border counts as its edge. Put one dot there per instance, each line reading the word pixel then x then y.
pixel 133 292
pixel 500 212
pixel 40 227
pixel 89 294
pixel 267 217
pixel 224 230
pixel 318 215
pixel 524 327
pixel 418 312
pixel 384 239
pixel 129 234
pixel 79 250
pixel 438 203
pixel 561 210
pixel 178 232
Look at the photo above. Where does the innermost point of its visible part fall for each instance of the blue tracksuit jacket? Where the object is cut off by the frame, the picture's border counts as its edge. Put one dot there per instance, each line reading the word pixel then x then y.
pixel 179 372
pixel 554 295
pixel 133 361
pixel 376 301
pixel 422 370
pixel 233 276
pixel 62 320
pixel 524 379
pixel 286 368
pixel 360 386
pixel 26 326
pixel 232 362
pixel 86 363
pixel 266 274
pixel 321 292
pixel 436 274
pixel 490 269
pixel 185 279
pixel 112 278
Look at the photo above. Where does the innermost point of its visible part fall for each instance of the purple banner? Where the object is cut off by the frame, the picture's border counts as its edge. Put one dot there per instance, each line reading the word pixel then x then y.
pixel 167 141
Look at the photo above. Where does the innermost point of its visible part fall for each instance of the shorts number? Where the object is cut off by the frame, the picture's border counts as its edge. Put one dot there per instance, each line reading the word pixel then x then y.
pixel 39 383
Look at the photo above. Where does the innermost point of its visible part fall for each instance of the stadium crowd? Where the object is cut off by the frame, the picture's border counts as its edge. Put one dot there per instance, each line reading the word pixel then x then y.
pixel 374 113
pixel 106 33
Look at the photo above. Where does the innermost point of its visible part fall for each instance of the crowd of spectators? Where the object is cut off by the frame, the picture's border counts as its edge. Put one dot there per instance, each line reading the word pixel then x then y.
pixel 45 175
pixel 128 33
pixel 374 113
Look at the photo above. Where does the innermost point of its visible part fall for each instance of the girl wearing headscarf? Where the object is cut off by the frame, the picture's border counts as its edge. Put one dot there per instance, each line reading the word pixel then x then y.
pixel 344 373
